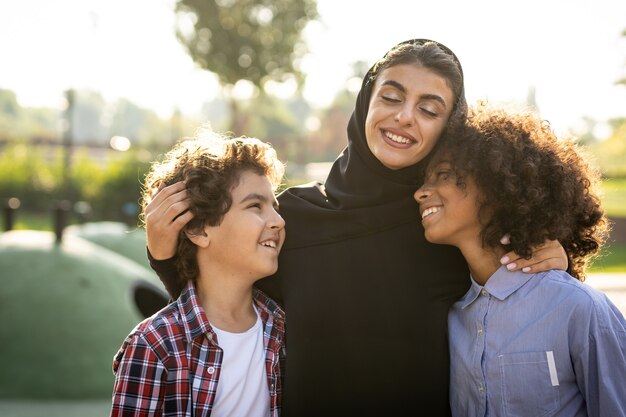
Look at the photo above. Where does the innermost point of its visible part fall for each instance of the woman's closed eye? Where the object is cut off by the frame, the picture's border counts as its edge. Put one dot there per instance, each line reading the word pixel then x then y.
pixel 429 112
pixel 391 99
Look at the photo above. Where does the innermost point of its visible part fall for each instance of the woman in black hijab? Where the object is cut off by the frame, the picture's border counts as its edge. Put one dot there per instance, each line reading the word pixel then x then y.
pixel 366 296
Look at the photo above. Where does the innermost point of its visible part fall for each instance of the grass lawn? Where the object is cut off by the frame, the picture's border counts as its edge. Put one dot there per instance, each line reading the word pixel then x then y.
pixel 614 196
pixel 25 220
pixel 611 259
pixel 55 408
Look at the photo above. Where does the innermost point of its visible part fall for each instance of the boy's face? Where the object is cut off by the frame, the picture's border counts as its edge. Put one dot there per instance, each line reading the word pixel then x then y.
pixel 449 212
pixel 248 240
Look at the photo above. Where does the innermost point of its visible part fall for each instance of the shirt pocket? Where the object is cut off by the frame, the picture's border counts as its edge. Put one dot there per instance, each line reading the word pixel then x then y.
pixel 529 384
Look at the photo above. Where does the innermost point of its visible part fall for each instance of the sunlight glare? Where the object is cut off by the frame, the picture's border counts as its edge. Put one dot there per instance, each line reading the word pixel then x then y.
pixel 120 143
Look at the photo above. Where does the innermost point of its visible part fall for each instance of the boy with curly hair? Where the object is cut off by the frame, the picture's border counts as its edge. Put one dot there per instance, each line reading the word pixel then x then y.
pixel 219 348
pixel 524 344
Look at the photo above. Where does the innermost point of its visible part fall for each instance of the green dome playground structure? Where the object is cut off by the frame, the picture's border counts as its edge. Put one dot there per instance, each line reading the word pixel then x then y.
pixel 67 306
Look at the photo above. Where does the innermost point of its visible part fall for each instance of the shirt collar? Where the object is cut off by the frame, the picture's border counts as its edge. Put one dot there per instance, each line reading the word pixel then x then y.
pixel 194 318
pixel 501 284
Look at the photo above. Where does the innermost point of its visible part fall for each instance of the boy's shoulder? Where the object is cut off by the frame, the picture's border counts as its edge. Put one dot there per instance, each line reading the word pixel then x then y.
pixel 165 322
pixel 158 333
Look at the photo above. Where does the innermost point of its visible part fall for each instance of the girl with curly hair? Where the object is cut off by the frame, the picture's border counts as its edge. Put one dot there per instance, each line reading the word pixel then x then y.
pixel 524 344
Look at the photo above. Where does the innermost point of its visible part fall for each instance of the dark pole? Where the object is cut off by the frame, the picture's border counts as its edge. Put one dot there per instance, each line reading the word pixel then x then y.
pixel 61 215
pixel 68 143
pixel 10 210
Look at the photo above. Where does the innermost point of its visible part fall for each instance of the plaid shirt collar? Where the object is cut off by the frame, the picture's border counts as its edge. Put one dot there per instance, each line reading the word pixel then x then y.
pixel 196 324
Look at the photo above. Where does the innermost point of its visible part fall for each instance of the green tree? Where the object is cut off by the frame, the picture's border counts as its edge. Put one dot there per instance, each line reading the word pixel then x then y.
pixel 253 40
pixel 19 123
pixel 331 137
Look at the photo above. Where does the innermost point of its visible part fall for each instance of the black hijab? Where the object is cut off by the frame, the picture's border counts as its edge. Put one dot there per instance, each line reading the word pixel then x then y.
pixel 360 195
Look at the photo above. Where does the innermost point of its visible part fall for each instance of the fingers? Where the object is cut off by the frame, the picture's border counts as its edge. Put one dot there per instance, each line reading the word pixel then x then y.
pixel 166 202
pixel 162 192
pixel 549 255
pixel 172 208
pixel 181 220
pixel 165 216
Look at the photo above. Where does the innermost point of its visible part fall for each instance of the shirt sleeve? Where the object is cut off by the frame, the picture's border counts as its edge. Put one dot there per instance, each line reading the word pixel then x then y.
pixel 601 365
pixel 167 273
pixel 139 380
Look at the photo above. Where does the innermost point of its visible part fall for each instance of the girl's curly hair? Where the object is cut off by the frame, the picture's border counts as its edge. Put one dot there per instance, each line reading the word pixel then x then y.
pixel 534 185
pixel 210 165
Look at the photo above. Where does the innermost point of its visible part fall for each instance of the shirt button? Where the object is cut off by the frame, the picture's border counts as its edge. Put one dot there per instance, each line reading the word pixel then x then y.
pixel 480 331
pixel 211 370
pixel 481 389
pixel 484 292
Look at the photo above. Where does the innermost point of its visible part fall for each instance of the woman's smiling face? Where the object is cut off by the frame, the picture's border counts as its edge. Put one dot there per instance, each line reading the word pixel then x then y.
pixel 408 110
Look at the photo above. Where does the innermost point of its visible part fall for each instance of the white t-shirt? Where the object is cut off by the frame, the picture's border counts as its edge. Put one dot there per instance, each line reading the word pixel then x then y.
pixel 242 389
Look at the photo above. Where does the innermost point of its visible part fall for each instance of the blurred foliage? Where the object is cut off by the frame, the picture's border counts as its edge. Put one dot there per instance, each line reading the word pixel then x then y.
pixel 253 40
pixel 15 121
pixel 614 196
pixel 330 138
pixel 270 119
pixel 88 119
pixel 107 182
pixel 611 153
pixel 26 174
pixel 612 259
pixel 91 121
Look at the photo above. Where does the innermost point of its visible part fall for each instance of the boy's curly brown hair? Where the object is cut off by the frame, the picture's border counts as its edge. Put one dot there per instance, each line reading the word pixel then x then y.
pixel 210 165
pixel 534 185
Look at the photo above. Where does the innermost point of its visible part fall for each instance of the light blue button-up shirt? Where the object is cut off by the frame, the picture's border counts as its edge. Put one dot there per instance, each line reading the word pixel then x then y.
pixel 536 345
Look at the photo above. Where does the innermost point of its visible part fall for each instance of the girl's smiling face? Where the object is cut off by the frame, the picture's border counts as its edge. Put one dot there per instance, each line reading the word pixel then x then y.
pixel 408 110
pixel 449 210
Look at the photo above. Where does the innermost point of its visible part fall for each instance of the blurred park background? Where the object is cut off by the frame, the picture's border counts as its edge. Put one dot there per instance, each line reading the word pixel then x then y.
pixel 93 91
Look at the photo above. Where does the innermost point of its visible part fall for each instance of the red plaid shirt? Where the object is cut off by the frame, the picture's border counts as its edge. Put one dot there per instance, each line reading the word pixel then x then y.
pixel 170 363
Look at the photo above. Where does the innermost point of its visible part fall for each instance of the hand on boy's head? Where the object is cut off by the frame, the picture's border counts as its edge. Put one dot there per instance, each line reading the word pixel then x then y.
pixel 547 256
pixel 165 216
pixel 155 190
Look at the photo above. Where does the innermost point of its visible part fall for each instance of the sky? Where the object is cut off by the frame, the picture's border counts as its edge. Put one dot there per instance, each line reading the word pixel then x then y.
pixel 570 51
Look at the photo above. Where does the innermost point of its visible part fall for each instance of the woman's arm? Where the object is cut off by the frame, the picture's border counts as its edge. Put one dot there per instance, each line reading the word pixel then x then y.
pixel 549 255
pixel 165 216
